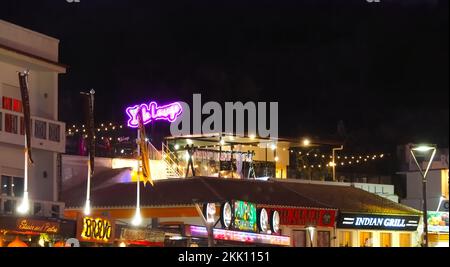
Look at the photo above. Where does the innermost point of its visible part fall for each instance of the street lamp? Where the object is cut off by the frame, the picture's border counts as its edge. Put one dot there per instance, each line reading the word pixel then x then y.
pixel 311 234
pixel 424 149
pixel 334 162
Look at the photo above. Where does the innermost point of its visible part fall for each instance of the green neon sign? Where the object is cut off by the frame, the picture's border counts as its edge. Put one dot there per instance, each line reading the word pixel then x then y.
pixel 245 216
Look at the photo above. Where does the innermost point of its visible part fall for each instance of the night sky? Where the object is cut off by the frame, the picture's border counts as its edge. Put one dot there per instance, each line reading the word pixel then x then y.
pixel 381 68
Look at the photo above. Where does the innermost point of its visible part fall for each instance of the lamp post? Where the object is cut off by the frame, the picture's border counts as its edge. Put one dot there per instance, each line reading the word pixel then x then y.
pixel 334 162
pixel 424 149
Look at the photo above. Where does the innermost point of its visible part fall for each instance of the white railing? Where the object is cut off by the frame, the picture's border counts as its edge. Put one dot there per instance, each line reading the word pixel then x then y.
pixel 45 134
pixel 42 208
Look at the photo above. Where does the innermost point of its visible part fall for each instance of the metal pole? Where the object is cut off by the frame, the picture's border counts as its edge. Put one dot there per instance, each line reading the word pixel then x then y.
pixel 424 193
pixel 138 174
pixel 209 226
pixel 334 162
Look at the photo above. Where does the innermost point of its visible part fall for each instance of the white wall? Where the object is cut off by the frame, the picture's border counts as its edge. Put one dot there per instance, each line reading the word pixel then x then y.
pixel 12 163
pixel 414 189
pixel 29 41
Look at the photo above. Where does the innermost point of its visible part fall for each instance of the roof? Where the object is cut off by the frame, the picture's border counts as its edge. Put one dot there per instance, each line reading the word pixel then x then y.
pixel 273 192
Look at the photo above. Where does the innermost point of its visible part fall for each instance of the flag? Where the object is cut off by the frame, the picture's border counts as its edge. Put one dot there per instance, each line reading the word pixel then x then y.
pixel 144 153
pixel 89 118
pixel 26 111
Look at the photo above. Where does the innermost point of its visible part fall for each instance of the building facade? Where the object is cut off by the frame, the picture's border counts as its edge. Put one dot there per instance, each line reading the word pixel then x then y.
pixel 22 49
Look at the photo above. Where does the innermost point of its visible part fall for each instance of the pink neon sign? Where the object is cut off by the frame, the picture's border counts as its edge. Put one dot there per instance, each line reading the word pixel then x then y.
pixel 152 112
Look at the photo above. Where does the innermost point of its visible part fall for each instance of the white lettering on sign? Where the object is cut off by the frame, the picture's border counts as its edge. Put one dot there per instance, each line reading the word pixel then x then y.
pixel 387 222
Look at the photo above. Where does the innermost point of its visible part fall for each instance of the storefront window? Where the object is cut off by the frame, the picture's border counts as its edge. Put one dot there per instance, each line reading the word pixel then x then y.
pixel 365 239
pixel 299 238
pixel 12 186
pixel 405 240
pixel 323 238
pixel 345 239
pixel 385 240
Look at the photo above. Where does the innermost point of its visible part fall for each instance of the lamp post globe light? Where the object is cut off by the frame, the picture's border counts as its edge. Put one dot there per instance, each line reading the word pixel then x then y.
pixel 424 149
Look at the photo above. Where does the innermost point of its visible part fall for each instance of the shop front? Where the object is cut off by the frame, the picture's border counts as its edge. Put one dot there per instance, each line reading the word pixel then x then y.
pixel 438 229
pixel 238 223
pixel 307 227
pixel 34 231
pixel 134 237
pixel 377 230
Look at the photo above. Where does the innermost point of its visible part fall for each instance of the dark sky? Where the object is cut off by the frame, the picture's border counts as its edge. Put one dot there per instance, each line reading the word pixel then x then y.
pixel 382 68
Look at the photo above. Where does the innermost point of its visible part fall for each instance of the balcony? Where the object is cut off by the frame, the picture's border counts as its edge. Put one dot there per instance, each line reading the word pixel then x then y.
pixel 8 206
pixel 45 134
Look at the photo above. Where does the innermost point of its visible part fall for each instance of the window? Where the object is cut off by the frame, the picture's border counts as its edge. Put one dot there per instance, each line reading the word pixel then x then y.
pixel 11 123
pixel 405 240
pixel 40 129
pixel 323 238
pixel 345 239
pixel 365 239
pixel 12 186
pixel 385 240
pixel 53 132
pixel 299 238
pixel 7 103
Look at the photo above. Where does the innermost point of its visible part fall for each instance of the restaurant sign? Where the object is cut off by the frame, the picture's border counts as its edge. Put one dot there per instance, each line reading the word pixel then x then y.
pixel 378 222
pixel 307 217
pixel 95 229
pixel 245 217
pixel 37 226
pixel 152 236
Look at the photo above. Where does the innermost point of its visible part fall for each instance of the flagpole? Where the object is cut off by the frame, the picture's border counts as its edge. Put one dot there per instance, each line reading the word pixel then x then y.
pixel 87 207
pixel 137 220
pixel 25 205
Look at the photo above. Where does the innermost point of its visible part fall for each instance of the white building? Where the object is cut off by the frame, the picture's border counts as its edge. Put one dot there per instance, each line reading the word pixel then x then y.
pixel 22 49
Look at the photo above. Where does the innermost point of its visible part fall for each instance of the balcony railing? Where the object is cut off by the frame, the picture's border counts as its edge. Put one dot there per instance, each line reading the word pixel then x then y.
pixel 8 205
pixel 45 134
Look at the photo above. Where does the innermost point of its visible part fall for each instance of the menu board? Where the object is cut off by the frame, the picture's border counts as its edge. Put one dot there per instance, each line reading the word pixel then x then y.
pixel 437 221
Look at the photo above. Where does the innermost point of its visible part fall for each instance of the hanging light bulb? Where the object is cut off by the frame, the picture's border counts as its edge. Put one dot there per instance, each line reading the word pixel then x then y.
pixel 87 208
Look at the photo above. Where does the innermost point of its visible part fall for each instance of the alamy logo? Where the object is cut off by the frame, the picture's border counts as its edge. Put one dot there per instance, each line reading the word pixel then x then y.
pixel 259 120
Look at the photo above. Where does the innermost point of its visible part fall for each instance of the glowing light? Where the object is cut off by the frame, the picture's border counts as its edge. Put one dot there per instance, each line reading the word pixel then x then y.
pixel 306 142
pixel 222 142
pixel 176 146
pixel 152 112
pixel 252 136
pixel 137 219
pixel 122 244
pixel 24 207
pixel 381 155
pixel 273 146
pixel 276 158
pixel 189 141
pixel 87 208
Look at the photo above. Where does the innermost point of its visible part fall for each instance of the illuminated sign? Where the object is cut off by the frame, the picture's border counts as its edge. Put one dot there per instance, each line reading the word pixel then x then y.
pixel 209 210
pixel 225 215
pixel 303 216
pixel 245 237
pixel 245 216
pixel 437 221
pixel 263 220
pixel 152 112
pixel 378 222
pixel 96 229
pixel 152 236
pixel 37 226
pixel 275 221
